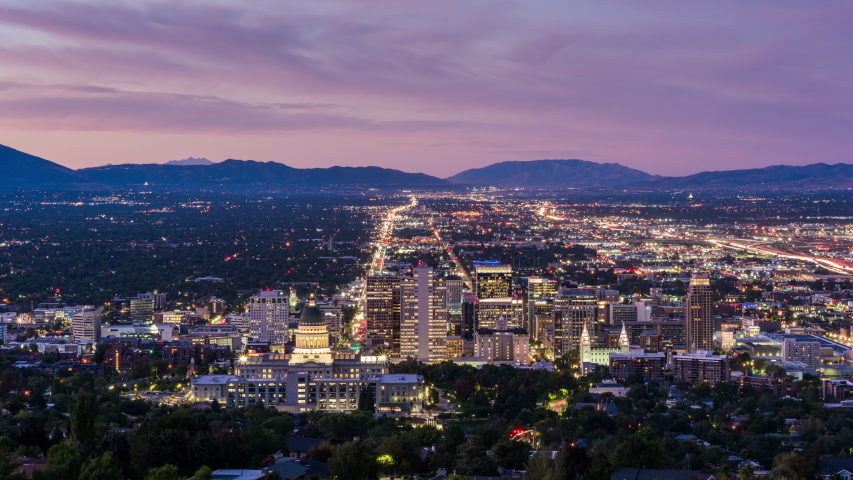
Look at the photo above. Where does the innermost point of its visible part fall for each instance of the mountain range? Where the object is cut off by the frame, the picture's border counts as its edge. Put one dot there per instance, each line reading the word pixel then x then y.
pixel 25 171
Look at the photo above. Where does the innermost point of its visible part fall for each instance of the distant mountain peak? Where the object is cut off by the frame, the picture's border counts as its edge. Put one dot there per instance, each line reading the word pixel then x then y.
pixel 552 174
pixel 190 161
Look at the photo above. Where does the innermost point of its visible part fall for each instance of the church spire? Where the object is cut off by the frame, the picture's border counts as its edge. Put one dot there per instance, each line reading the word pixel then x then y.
pixel 585 339
pixel 623 338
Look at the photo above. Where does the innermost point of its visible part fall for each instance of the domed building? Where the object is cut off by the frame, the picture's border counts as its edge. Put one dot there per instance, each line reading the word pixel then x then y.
pixel 312 337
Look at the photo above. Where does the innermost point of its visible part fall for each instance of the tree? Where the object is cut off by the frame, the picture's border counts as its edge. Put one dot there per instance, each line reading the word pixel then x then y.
pixel 367 400
pixel 354 461
pixel 511 454
pixel 400 448
pixel 571 462
pixel 63 462
pixel 105 467
pixel 8 466
pixel 638 452
pixel 84 412
pixel 166 472
pixel 540 466
pixel 203 473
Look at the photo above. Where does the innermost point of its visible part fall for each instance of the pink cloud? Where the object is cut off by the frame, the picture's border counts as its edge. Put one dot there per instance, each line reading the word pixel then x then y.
pixel 662 86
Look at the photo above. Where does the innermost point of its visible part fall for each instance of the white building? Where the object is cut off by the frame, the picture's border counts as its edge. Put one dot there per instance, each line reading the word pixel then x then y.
pixel 423 321
pixel 269 315
pixel 86 325
pixel 207 388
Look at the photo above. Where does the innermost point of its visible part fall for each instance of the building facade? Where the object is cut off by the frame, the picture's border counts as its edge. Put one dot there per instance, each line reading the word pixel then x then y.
pixel 269 315
pixel 700 314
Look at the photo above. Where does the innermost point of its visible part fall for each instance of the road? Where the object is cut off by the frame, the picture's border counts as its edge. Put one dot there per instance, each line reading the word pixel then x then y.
pixel 376 265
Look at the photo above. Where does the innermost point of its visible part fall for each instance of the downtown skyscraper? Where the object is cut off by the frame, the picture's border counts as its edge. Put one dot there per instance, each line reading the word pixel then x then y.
pixel 700 314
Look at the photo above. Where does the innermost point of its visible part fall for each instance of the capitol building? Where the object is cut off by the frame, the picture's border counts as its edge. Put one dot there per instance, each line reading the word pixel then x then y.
pixel 313 377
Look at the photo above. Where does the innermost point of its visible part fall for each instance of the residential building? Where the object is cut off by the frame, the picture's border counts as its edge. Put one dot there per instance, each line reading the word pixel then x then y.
pixel 269 315
pixel 651 366
pixel 701 367
pixel 700 314
pixel 801 351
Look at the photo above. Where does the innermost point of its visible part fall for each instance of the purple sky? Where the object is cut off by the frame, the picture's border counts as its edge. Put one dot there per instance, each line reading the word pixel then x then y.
pixel 669 87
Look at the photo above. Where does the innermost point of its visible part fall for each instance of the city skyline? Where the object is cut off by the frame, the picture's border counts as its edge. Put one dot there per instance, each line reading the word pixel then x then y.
pixel 662 87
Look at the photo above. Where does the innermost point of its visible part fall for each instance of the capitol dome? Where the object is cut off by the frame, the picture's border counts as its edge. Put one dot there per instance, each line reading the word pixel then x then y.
pixel 312 315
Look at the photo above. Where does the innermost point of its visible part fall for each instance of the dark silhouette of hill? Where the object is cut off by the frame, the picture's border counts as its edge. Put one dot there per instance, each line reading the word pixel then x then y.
pixel 250 172
pixel 22 170
pixel 782 177
pixel 552 174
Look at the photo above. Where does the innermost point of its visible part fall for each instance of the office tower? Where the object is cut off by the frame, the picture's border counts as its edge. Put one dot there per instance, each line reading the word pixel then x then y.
pixel 423 319
pixel 454 319
pixel 269 315
pixel 605 297
pixel 490 309
pixel 573 309
pixel 86 325
pixel 215 306
pixel 158 298
pixel 382 312
pixel 142 309
pixel 700 314
pixel 492 280
pixel 334 321
pixel 503 344
pixel 455 288
pixel 469 317
pixel 619 313
pixel 540 300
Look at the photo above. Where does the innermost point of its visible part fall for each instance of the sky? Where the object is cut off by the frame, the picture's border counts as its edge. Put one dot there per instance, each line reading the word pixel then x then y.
pixel 439 86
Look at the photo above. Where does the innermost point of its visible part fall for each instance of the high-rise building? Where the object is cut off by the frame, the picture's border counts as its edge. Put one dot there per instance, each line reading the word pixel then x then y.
pixel 605 297
pixel 269 315
pixel 503 344
pixel 573 310
pixel 86 325
pixel 490 309
pixel 469 317
pixel 700 314
pixel 142 309
pixel 540 300
pixel 382 312
pixel 423 317
pixel 619 313
pixel 455 288
pixel 492 280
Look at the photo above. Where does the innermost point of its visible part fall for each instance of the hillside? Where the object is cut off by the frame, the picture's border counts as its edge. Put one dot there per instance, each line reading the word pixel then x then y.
pixel 22 170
